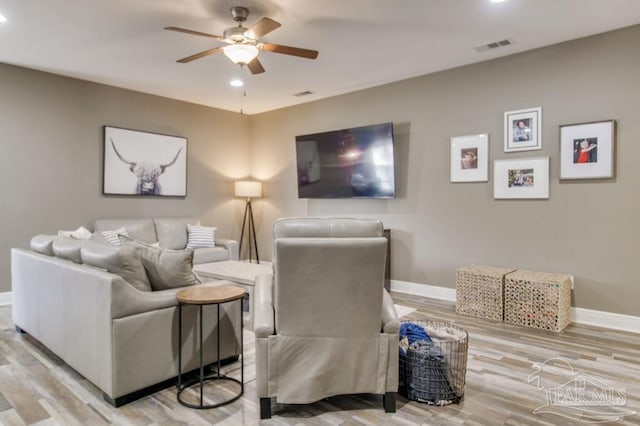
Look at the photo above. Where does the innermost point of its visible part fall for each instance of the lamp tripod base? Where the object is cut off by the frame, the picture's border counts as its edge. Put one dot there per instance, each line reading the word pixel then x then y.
pixel 249 224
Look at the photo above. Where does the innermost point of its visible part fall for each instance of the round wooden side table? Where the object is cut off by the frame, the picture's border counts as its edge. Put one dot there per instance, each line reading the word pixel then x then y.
pixel 202 296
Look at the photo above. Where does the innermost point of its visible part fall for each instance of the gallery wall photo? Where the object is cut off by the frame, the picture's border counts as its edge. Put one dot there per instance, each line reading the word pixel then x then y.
pixel 143 163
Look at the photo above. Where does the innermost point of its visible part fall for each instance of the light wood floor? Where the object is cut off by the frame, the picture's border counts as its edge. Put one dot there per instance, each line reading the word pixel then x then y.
pixel 37 388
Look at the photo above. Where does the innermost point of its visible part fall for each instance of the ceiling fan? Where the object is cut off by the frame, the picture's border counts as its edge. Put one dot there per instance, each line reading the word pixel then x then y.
pixel 243 44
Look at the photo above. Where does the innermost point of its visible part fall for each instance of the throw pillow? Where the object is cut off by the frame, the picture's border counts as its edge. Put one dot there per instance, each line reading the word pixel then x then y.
pixel 81 233
pixel 113 237
pixel 200 236
pixel 165 268
pixel 123 261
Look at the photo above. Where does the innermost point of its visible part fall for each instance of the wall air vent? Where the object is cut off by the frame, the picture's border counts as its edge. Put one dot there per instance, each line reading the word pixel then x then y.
pixel 492 45
pixel 303 93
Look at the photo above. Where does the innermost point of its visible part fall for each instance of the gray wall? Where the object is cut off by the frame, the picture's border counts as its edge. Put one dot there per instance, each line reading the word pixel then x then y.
pixel 51 165
pixel 588 229
pixel 51 157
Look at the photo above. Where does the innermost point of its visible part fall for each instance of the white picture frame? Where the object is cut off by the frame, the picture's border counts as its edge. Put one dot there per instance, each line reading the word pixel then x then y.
pixel 470 158
pixel 144 164
pixel 523 130
pixel 587 150
pixel 521 178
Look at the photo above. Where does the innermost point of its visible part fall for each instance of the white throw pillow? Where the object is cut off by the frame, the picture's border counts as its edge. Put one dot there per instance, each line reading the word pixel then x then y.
pixel 113 237
pixel 200 236
pixel 81 233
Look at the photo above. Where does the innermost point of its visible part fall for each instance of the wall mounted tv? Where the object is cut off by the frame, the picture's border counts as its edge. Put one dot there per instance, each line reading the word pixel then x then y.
pixel 348 163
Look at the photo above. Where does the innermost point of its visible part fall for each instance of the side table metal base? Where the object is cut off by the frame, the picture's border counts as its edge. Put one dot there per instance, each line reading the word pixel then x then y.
pixel 201 379
pixel 208 379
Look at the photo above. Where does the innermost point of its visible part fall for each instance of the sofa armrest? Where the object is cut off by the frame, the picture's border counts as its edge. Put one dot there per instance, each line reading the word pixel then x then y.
pixel 231 245
pixel 263 320
pixel 128 300
pixel 390 321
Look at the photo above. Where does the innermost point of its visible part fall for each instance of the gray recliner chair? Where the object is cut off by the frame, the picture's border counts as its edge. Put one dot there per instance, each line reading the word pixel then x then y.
pixel 324 324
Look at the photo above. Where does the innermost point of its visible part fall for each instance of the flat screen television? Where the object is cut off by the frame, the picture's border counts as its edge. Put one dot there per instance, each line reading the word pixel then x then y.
pixel 348 163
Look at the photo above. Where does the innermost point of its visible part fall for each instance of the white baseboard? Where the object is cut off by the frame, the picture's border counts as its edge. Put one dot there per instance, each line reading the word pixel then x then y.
pixel 606 319
pixel 5 298
pixel 424 290
pixel 578 315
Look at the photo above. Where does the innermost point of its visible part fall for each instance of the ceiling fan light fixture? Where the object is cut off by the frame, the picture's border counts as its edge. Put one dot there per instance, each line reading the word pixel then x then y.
pixel 241 53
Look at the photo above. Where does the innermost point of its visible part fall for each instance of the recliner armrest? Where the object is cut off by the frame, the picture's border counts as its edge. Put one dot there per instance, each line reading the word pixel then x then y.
pixel 390 321
pixel 263 314
pixel 231 245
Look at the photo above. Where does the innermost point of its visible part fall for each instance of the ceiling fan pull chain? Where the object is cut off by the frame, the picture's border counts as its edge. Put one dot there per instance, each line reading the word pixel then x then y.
pixel 243 92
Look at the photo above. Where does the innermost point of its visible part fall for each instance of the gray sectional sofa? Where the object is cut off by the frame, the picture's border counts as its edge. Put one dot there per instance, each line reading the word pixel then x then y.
pixel 122 339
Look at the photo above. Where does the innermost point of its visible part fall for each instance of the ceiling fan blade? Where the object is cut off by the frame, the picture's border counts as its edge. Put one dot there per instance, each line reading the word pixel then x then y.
pixel 262 27
pixel 288 50
pixel 255 67
pixel 199 55
pixel 198 33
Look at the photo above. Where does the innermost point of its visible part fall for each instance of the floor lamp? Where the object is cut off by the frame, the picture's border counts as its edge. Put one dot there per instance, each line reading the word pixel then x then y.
pixel 248 190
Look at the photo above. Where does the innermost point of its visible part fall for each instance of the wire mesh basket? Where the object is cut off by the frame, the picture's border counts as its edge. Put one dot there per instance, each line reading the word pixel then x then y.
pixel 433 361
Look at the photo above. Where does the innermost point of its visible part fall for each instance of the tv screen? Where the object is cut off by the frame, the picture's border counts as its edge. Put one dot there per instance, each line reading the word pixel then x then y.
pixel 348 163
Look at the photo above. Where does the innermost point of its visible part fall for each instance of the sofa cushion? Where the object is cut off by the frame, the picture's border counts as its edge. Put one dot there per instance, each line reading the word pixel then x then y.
pixel 172 232
pixel 210 254
pixel 67 248
pixel 43 244
pixel 138 229
pixel 166 268
pixel 200 236
pixel 123 261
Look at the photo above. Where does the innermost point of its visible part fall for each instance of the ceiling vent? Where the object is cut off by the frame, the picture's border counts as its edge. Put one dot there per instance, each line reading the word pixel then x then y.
pixel 303 93
pixel 493 45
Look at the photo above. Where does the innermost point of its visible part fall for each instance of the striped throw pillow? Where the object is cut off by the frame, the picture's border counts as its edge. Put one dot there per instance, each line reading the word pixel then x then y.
pixel 113 237
pixel 200 236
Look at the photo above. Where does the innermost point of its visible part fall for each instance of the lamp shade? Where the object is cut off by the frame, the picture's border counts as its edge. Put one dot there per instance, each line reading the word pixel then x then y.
pixel 248 189
pixel 240 53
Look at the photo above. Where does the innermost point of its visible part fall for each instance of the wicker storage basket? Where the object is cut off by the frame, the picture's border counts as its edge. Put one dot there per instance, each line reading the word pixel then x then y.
pixel 433 370
pixel 480 291
pixel 537 299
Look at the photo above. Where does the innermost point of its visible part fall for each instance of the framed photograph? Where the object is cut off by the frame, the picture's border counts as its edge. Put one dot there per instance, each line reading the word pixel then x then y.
pixel 470 158
pixel 523 130
pixel 521 178
pixel 587 150
pixel 142 163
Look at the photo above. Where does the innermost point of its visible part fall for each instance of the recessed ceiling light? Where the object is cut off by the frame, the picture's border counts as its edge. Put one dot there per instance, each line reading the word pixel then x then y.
pixel 236 83
pixel 2 18
pixel 497 1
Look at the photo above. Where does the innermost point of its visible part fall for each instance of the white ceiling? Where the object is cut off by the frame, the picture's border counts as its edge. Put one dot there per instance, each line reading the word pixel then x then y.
pixel 362 43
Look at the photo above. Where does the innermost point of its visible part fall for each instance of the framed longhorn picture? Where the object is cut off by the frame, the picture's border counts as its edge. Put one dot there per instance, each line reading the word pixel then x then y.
pixel 143 163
